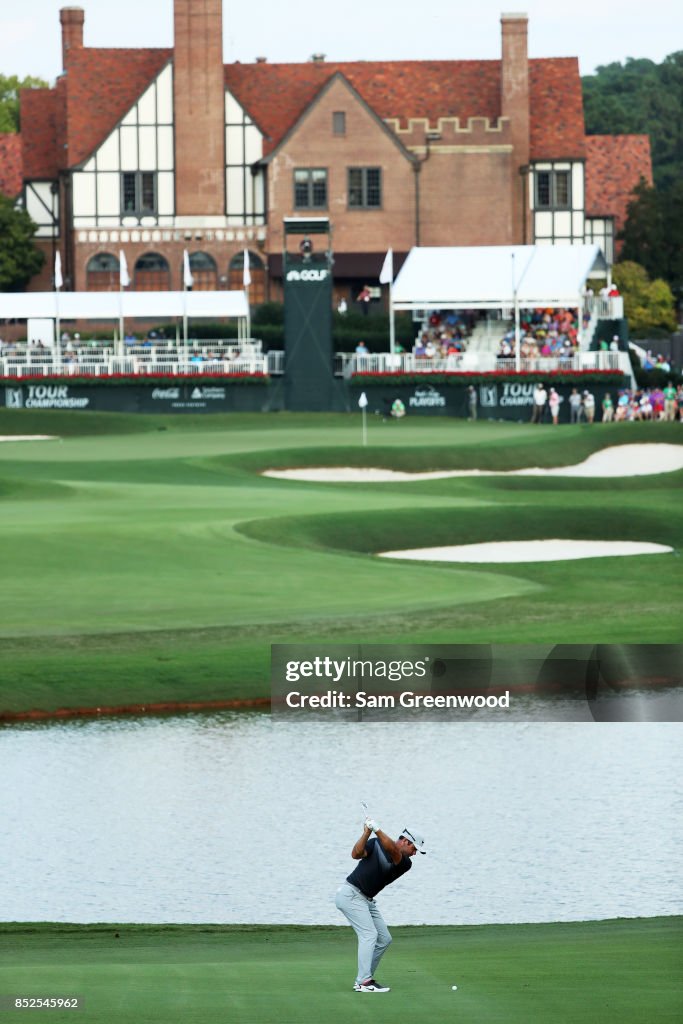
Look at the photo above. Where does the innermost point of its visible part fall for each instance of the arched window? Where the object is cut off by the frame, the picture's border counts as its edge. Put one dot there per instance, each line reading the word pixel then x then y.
pixel 102 273
pixel 257 271
pixel 204 272
pixel 152 273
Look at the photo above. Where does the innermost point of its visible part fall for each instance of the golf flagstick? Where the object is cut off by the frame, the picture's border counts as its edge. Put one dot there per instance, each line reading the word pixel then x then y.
pixel 363 403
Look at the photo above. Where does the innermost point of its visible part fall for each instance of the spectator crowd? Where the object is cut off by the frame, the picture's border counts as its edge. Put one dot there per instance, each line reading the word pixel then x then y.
pixel 444 335
pixel 544 333
pixel 654 404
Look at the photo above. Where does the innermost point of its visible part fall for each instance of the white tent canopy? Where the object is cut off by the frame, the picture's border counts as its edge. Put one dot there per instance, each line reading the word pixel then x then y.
pixel 495 276
pixel 122 305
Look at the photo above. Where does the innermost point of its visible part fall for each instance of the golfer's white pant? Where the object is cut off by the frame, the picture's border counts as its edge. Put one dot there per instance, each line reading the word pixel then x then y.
pixel 368 924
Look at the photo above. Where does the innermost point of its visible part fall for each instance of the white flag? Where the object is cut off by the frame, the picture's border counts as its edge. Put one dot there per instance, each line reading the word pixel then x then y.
pixel 124 276
pixel 363 400
pixel 386 275
pixel 188 279
pixel 246 276
pixel 59 280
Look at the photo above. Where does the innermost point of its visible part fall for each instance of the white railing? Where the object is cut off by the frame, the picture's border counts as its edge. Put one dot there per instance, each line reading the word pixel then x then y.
pixel 276 363
pixel 142 362
pixel 135 359
pixel 405 362
pixel 605 309
pixel 577 362
pixel 133 366
pixel 470 362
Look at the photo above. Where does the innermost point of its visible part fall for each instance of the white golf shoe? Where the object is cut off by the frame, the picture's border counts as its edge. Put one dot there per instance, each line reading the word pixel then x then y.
pixel 370 986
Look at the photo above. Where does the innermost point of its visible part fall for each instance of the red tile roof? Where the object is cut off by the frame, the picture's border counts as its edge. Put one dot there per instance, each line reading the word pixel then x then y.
pixel 39 133
pixel 614 166
pixel 102 85
pixel 275 95
pixel 11 165
pixel 556 109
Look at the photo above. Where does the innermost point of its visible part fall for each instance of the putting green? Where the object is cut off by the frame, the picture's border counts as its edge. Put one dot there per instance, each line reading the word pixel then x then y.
pixel 614 972
pixel 145 558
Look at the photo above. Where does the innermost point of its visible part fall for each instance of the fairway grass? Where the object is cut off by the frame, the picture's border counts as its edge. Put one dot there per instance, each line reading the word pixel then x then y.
pixel 610 972
pixel 146 559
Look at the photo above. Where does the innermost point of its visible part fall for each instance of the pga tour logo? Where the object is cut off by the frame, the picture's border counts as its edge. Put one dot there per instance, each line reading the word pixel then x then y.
pixel 307 275
pixel 488 395
pixel 14 398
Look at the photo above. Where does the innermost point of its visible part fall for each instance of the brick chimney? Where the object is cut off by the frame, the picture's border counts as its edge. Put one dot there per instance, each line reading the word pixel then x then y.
pixel 199 105
pixel 515 106
pixel 72 19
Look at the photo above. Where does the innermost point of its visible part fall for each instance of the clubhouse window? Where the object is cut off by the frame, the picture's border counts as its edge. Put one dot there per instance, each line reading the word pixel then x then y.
pixel 365 188
pixel 553 190
pixel 139 192
pixel 310 188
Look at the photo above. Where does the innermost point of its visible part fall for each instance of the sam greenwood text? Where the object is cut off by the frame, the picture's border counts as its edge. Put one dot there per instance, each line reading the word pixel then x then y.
pixel 407 699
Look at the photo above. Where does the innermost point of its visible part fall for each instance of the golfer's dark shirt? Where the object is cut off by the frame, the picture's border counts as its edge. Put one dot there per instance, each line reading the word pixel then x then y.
pixel 376 870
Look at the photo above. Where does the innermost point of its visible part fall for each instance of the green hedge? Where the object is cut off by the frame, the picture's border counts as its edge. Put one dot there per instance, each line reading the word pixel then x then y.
pixel 458 379
pixel 141 380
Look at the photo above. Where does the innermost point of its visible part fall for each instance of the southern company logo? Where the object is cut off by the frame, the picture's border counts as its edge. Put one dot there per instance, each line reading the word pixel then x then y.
pixel 212 394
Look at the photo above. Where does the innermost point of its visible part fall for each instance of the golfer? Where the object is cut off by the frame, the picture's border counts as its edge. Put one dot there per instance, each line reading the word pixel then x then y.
pixel 382 861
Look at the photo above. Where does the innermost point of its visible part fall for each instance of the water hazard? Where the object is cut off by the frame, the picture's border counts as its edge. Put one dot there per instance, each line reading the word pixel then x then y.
pixel 239 818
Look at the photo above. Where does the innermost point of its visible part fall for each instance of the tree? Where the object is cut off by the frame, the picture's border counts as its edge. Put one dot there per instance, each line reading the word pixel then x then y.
pixel 644 98
pixel 19 257
pixel 652 233
pixel 647 303
pixel 9 99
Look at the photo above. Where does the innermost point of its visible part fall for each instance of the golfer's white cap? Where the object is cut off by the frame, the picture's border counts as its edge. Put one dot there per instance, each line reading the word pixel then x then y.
pixel 415 838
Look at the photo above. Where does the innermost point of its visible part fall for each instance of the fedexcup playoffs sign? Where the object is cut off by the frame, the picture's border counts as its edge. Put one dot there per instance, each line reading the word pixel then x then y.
pixel 427 398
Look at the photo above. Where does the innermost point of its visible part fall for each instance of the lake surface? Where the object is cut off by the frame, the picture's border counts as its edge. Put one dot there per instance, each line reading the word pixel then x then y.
pixel 242 818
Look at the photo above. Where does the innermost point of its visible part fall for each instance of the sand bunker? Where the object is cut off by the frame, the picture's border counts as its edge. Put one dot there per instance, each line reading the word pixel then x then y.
pixel 28 437
pixel 621 460
pixel 618 461
pixel 529 551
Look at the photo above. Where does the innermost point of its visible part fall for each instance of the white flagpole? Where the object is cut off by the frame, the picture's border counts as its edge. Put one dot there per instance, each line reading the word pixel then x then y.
pixel 188 281
pixel 59 281
pixel 246 281
pixel 515 303
pixel 392 325
pixel 124 281
pixel 386 276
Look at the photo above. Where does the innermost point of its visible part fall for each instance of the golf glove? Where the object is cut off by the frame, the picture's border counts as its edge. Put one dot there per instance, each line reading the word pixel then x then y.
pixel 372 825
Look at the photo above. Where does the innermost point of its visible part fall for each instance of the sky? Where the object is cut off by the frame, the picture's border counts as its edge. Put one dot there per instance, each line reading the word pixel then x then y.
pixel 597 33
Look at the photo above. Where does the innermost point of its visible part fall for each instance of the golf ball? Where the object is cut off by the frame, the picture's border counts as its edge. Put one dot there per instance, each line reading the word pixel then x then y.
pixel 454 988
